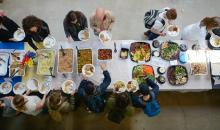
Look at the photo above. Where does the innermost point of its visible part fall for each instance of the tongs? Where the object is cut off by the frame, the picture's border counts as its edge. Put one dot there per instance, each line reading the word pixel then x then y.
pixel 63 52
pixel 51 74
pixel 18 58
pixel 1 59
pixel 77 49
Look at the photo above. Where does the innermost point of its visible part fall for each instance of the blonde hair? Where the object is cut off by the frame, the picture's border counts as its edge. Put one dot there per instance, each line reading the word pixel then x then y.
pixel 19 102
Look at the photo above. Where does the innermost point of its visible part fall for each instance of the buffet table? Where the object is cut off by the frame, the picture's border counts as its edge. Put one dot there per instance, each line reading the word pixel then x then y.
pixel 121 69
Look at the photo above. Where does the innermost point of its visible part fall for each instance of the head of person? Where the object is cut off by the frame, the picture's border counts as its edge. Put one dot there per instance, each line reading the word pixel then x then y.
pixel 122 100
pixel 210 23
pixel 19 102
pixel 31 24
pixel 71 18
pixel 171 14
pixel 145 91
pixel 55 100
pixel 89 88
pixel 100 13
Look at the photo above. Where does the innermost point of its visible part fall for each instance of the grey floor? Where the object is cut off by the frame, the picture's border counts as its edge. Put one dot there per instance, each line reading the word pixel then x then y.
pixel 179 111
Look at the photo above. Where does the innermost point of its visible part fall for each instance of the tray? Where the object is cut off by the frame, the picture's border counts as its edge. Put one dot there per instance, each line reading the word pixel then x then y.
pixel 79 68
pixel 65 63
pixel 137 45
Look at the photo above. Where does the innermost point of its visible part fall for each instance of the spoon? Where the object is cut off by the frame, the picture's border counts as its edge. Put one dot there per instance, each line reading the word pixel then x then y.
pixel 51 69
pixel 115 50
pixel 63 53
pixel 78 51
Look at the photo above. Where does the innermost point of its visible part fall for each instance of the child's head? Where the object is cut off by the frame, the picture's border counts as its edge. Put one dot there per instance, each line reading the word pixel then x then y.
pixel 171 14
pixel 122 100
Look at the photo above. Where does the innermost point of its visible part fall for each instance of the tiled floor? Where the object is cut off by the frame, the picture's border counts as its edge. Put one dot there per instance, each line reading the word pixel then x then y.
pixel 179 111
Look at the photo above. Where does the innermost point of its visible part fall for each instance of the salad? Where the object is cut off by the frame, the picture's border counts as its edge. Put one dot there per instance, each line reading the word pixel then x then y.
pixel 170 51
pixel 177 75
pixel 140 72
pixel 140 51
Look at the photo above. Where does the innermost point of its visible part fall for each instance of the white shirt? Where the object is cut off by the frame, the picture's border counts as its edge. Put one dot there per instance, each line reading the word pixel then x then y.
pixel 158 24
pixel 194 32
pixel 30 105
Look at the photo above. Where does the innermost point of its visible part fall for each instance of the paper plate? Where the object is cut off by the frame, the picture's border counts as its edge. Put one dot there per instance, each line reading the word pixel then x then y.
pixel 5 88
pixel 84 35
pixel 49 42
pixel 118 89
pixel 45 88
pixel 68 86
pixel 105 36
pixel 33 84
pixel 173 33
pixel 19 88
pixel 87 71
pixel 19 35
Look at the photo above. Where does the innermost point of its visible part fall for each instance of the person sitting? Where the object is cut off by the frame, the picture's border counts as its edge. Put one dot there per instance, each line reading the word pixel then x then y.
pixel 119 107
pixel 165 18
pixel 146 95
pixel 36 30
pixel 93 96
pixel 7 28
pixel 74 22
pixel 58 104
pixel 31 105
pixel 6 108
pixel 102 20
pixel 202 30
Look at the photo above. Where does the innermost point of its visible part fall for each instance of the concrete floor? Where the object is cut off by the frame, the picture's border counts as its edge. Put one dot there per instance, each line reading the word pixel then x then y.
pixel 179 111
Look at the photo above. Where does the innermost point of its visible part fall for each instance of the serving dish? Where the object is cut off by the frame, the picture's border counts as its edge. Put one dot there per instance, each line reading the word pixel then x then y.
pixel 140 72
pixel 65 61
pixel 177 75
pixel 4 57
pixel 104 54
pixel 169 51
pixel 84 56
pixel 140 51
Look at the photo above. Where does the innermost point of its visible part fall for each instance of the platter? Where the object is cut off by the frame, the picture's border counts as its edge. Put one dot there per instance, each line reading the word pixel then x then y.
pixel 140 51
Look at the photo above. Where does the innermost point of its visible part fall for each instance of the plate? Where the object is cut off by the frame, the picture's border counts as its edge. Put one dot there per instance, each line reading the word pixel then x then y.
pixel 140 51
pixel 169 51
pixel 45 88
pixel 173 30
pixel 84 35
pixel 132 86
pixel 49 42
pixel 4 57
pixel 68 86
pixel 105 36
pixel 19 35
pixel 33 84
pixel 5 88
pixel 140 72
pixel 19 88
pixel 215 42
pixel 88 70
pixel 119 87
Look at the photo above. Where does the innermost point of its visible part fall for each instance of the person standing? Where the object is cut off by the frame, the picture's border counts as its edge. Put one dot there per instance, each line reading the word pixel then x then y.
pixel 157 21
pixel 74 22
pixel 102 20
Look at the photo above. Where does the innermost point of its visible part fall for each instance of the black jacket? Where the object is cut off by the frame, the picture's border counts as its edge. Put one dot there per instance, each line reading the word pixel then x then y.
pixel 73 30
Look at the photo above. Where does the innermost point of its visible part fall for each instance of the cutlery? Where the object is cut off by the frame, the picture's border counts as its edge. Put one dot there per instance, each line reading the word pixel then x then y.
pixel 115 50
pixel 78 51
pixel 18 58
pixel 12 76
pixel 51 74
pixel 1 59
pixel 63 53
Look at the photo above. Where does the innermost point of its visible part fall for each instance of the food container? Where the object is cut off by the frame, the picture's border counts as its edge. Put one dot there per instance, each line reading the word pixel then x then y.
pixel 4 57
pixel 132 86
pixel 140 72
pixel 119 86
pixel 84 35
pixel 140 51
pixel 45 88
pixel 161 79
pixel 161 70
pixel 177 75
pixel 16 63
pixel 169 51
pixel 156 44
pixel 19 88
pixel 105 36
pixel 5 88
pixel 84 56
pixel 46 60
pixel 68 86
pixel 156 53
pixel 65 65
pixel 124 53
pixel 49 42
pixel 104 54
pixel 173 30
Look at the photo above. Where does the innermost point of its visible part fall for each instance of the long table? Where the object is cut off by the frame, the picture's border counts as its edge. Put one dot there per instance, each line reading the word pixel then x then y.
pixel 121 69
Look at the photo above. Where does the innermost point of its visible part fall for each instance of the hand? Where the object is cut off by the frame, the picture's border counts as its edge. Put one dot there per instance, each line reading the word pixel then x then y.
pixel 12 39
pixel 84 77
pixel 73 93
pixel 163 34
pixel 103 66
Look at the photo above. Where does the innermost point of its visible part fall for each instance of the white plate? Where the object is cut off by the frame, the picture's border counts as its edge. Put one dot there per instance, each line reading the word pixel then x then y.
pixel 136 84
pixel 121 90
pixel 68 89
pixel 33 84
pixel 81 35
pixel 19 35
pixel 45 88
pixel 173 33
pixel 49 42
pixel 212 42
pixel 107 35
pixel 84 70
pixel 4 65
pixel 19 88
pixel 7 88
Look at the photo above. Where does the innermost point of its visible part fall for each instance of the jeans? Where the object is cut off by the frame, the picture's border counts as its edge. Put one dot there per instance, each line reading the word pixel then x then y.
pixel 151 35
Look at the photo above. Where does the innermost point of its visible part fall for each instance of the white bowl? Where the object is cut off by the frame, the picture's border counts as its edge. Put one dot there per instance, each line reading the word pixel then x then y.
pixel 173 33
pixel 120 90
pixel 136 84
pixel 45 88
pixel 33 84
pixel 107 35
pixel 86 73
pixel 68 86
pixel 7 88
pixel 81 35
pixel 19 88
pixel 49 42
pixel 19 35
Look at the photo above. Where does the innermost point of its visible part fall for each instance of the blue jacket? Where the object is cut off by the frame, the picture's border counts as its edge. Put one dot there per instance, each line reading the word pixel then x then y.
pixel 101 88
pixel 138 101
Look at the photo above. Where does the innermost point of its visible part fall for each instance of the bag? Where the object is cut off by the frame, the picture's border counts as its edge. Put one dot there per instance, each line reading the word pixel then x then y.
pixel 152 107
pixel 151 16
pixel 96 103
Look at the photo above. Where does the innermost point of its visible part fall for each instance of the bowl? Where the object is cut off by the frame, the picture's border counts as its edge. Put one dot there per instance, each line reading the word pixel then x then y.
pixel 88 70
pixel 19 35
pixel 49 42
pixel 105 36
pixel 68 86
pixel 5 88
pixel 84 35
pixel 119 86
pixel 19 88
pixel 173 30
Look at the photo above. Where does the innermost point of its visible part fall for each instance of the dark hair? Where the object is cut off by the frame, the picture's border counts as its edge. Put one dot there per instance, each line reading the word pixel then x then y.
pixel 71 16
pixel 210 22
pixel 31 21
pixel 171 14
pixel 54 99
pixel 89 88
pixel 122 100
pixel 19 102
pixel 144 89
